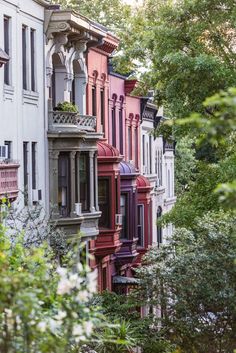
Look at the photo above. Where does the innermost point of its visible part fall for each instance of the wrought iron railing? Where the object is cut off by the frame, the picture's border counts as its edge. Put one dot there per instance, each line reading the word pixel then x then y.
pixel 9 179
pixel 58 119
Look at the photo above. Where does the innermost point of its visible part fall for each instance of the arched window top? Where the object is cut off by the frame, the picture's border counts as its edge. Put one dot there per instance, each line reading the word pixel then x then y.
pixel 103 78
pixel 114 98
pixel 122 98
pixel 159 211
pixel 95 76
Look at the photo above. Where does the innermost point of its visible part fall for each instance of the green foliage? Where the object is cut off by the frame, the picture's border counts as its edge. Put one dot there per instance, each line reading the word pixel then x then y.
pixel 192 278
pixel 43 307
pixel 189 50
pixel 66 107
pixel 185 164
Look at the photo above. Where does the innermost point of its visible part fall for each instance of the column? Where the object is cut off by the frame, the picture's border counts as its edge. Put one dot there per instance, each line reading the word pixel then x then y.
pixel 72 183
pixel 96 181
pixel 78 176
pixel 53 183
pixel 91 180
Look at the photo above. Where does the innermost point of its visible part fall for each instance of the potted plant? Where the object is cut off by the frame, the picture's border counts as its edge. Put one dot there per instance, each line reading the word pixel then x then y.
pixel 66 107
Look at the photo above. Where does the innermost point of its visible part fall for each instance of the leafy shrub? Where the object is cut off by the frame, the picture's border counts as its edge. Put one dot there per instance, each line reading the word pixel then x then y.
pixel 66 107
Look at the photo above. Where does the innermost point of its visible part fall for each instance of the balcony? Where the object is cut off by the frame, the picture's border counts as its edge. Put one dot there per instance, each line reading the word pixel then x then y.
pixel 9 180
pixel 68 121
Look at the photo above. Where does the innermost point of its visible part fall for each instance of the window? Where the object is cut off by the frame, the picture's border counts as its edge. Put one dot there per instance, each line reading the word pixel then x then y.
pixel 94 101
pixel 124 212
pixel 121 130
pixel 34 176
pixel 129 144
pixel 32 59
pixel 143 145
pixel 102 96
pixel 104 202
pixel 136 147
pixel 6 31
pixel 168 183
pixel 156 162
pixel 64 184
pixel 24 57
pixel 84 180
pixel 159 228
pixel 113 125
pixel 72 93
pixel 159 160
pixel 141 225
pixel 9 149
pixel 25 171
pixel 150 154
pixel 104 278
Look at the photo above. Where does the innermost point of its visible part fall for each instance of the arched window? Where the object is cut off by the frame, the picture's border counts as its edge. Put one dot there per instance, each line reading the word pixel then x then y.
pixel 159 228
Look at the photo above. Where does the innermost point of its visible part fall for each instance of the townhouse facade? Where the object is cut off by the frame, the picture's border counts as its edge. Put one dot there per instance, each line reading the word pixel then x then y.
pixel 96 167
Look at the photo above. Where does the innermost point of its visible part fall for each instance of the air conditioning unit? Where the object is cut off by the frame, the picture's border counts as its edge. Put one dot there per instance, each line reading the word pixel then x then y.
pixel 3 152
pixel 78 208
pixel 36 195
pixel 118 219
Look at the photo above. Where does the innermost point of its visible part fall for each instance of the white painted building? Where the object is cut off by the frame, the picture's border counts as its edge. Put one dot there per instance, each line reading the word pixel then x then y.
pixel 22 103
pixel 157 164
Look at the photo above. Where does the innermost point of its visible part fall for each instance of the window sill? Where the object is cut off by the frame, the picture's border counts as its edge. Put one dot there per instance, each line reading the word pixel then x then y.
pixel 8 92
pixel 30 97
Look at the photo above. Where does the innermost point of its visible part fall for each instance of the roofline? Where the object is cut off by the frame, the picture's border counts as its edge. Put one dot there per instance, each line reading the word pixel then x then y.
pixel 44 3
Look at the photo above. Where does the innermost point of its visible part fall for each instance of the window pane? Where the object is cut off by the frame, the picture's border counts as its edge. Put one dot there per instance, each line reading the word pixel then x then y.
pixel 140 225
pixel 7 49
pixel 104 202
pixel 84 180
pixel 124 212
pixel 24 66
pixel 94 101
pixel 64 184
pixel 121 129
pixel 113 124
pixel 32 59
pixel 102 106
pixel 33 150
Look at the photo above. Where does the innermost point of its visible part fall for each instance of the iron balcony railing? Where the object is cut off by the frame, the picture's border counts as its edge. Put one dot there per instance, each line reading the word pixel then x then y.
pixel 9 179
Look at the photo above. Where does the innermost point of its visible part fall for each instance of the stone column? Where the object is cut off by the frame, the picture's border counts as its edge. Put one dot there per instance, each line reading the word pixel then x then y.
pixel 91 180
pixel 53 182
pixel 72 183
pixel 96 181
pixel 78 176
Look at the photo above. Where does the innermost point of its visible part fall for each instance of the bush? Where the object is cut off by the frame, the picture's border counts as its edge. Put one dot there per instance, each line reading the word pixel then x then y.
pixel 66 107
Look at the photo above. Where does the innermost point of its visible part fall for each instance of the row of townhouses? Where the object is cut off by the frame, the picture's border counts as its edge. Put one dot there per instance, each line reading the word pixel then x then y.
pixel 100 171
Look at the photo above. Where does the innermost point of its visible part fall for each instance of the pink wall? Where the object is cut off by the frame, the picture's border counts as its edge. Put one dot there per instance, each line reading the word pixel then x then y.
pixel 98 77
pixel 133 122
pixel 130 107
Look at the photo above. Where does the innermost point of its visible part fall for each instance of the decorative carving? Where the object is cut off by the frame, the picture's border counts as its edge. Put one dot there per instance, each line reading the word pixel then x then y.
pixel 57 27
pixel 49 72
pixel 83 122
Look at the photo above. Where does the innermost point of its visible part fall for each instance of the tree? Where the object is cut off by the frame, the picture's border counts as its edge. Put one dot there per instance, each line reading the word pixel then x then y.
pixel 114 15
pixel 189 47
pixel 193 279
